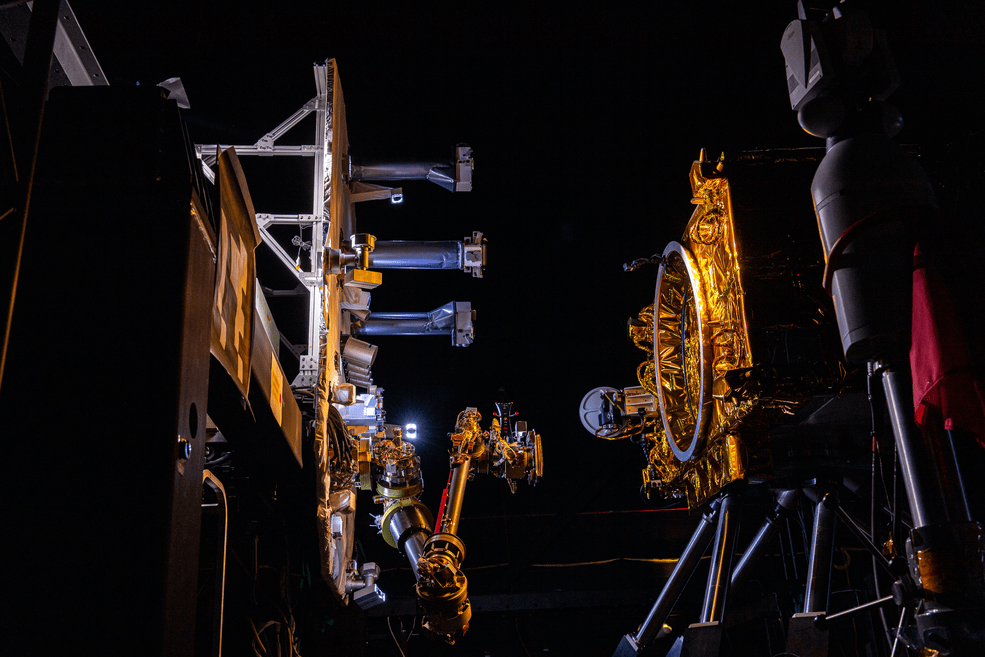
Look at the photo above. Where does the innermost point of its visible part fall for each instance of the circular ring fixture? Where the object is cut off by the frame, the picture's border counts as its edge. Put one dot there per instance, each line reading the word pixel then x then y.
pixel 682 352
pixel 590 412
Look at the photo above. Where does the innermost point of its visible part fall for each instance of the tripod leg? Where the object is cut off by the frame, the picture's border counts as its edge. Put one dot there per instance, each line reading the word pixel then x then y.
pixel 719 575
pixel 652 627
pixel 819 567
pixel 929 470
pixel 784 503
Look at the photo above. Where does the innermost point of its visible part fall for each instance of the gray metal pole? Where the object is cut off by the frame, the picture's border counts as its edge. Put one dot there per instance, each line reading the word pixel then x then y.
pixel 930 471
pixel 678 578
pixel 378 324
pixel 784 503
pixel 716 588
pixel 396 171
pixel 414 548
pixel 819 566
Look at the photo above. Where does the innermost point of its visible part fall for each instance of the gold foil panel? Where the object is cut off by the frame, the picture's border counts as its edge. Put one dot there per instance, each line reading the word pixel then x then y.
pixel 702 281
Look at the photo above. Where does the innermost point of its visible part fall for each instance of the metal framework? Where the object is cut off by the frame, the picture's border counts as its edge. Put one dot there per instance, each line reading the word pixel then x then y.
pixel 320 217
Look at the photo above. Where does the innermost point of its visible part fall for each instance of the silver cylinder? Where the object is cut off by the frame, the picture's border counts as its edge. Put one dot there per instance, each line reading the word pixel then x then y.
pixel 410 527
pixel 784 502
pixel 819 565
pixel 394 171
pixel 930 471
pixel 869 178
pixel 359 381
pixel 414 548
pixel 716 588
pixel 381 324
pixel 359 353
pixel 417 255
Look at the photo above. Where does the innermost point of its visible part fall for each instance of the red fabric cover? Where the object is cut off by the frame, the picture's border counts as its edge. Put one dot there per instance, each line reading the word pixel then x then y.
pixel 942 377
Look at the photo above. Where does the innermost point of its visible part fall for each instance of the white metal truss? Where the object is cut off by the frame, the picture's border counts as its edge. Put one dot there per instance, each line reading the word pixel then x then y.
pixel 318 219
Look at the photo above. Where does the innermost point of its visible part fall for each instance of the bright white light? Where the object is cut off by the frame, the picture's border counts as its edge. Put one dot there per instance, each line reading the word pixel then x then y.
pixel 410 431
pixel 396 198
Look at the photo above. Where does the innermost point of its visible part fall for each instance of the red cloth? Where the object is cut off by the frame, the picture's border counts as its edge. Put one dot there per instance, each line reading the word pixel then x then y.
pixel 942 378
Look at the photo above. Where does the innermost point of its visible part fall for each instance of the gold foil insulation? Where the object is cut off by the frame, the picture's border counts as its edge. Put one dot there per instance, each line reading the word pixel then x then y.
pixel 717 397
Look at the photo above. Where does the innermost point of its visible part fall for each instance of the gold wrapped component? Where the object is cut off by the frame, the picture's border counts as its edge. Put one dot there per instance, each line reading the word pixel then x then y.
pixel 364 460
pixel 468 435
pixel 720 381
pixel 950 560
pixel 398 467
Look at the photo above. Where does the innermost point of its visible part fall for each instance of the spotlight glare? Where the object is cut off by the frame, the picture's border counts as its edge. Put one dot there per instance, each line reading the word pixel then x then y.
pixel 410 431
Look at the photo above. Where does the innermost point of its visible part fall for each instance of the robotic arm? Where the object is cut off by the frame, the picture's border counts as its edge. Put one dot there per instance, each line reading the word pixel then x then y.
pixel 508 451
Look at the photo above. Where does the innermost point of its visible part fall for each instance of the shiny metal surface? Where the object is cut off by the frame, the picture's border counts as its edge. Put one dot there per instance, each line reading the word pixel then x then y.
pixel 456 497
pixel 719 573
pixel 407 519
pixel 924 468
pixel 414 548
pixel 400 254
pixel 740 334
pixel 454 319
pixel 771 525
pixel 682 352
pixel 819 565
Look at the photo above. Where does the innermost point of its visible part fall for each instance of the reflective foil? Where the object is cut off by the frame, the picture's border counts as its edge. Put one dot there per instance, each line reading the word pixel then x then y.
pixel 741 336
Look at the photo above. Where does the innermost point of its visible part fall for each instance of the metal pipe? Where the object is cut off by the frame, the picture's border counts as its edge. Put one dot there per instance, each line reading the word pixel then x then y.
pixel 456 496
pixel 793 552
pixel 401 315
pixel 454 319
pixel 408 527
pixel 821 622
pixel 864 539
pixel 682 572
pixel 771 525
pixel 376 324
pixel 716 588
pixel 926 467
pixel 396 171
pixel 414 548
pixel 819 566
pixel 418 255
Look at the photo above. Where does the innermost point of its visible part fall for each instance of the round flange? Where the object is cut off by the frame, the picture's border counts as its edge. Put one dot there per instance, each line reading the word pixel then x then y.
pixel 591 404
pixel 682 351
